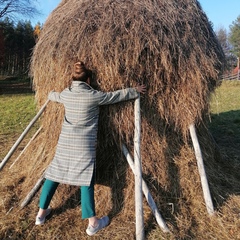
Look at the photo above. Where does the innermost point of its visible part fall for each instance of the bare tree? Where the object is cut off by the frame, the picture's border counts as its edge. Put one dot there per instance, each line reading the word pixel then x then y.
pixel 15 8
pixel 223 39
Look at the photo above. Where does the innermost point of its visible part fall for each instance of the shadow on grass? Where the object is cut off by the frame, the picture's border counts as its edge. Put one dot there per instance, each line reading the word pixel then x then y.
pixel 15 85
pixel 225 128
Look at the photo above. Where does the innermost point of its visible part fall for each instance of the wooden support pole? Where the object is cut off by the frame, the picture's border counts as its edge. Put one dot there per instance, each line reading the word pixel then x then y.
pixel 14 147
pixel 201 169
pixel 138 172
pixel 32 192
pixel 146 193
pixel 33 137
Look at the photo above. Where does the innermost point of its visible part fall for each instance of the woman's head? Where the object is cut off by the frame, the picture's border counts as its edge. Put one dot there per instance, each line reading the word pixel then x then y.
pixel 81 73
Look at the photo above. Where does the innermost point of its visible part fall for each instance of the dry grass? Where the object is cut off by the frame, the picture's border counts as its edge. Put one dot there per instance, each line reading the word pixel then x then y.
pixel 168 45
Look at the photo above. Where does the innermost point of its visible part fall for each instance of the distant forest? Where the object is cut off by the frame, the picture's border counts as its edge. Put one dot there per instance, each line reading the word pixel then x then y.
pixel 16 44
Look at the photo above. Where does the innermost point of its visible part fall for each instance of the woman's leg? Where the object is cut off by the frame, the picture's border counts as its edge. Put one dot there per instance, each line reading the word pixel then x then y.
pixel 88 210
pixel 87 201
pixel 48 190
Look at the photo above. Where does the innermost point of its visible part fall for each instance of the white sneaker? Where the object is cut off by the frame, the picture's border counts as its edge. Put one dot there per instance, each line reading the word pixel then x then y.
pixel 41 220
pixel 102 223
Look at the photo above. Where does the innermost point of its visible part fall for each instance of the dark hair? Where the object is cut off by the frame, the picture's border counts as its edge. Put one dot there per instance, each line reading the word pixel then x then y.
pixel 81 73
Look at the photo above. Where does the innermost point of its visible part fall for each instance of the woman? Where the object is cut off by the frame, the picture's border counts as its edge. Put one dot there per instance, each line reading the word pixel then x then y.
pixel 75 155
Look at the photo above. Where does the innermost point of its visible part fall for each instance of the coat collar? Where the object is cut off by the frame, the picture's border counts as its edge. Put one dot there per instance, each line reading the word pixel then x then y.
pixel 80 84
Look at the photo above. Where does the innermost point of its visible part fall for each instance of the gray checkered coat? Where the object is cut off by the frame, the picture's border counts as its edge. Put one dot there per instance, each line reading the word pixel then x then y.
pixel 75 155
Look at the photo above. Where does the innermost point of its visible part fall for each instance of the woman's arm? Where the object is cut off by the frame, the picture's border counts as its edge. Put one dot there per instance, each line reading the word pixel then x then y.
pixel 54 96
pixel 121 95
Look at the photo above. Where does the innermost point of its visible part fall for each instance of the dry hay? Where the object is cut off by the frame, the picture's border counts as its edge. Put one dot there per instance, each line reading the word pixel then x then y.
pixel 168 45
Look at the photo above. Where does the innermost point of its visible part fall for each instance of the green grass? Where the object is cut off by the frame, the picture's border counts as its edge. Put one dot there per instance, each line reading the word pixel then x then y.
pixel 225 118
pixel 226 97
pixel 16 112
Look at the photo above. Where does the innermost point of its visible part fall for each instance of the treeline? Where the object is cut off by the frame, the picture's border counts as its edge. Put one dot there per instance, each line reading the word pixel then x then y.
pixel 230 42
pixel 16 44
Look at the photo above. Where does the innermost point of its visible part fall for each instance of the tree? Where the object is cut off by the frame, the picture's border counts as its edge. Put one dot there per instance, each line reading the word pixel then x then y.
pixel 17 44
pixel 1 46
pixel 14 8
pixel 223 39
pixel 37 30
pixel 234 36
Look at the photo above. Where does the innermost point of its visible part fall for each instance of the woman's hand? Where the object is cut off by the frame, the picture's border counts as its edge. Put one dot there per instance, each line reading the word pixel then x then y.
pixel 141 89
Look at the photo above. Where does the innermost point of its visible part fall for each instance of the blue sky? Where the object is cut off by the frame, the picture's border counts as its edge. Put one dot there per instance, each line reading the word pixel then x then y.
pixel 220 12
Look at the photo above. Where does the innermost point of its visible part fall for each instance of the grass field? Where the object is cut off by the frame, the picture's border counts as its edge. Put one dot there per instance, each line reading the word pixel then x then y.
pixel 225 118
pixel 17 110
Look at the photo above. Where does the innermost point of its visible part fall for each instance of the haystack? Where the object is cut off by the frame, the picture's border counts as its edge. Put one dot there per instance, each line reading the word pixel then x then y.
pixel 169 46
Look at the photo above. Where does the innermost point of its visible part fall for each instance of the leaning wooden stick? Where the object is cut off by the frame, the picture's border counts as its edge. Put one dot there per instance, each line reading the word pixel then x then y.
pixel 138 173
pixel 146 193
pixel 33 137
pixel 201 169
pixel 32 192
pixel 14 147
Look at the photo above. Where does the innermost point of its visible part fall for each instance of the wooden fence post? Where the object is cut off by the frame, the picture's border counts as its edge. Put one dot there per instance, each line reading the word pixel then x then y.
pixel 138 172
pixel 201 169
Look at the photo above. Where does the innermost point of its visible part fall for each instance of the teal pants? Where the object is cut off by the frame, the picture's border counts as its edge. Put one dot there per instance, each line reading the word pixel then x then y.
pixel 87 197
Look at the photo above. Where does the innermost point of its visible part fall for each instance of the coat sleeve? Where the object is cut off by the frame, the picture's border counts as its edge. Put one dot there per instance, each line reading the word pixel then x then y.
pixel 54 96
pixel 118 96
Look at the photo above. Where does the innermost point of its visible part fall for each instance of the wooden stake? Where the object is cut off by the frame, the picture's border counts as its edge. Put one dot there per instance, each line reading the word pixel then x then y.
pixel 201 169
pixel 32 192
pixel 33 137
pixel 146 193
pixel 138 173
pixel 14 147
